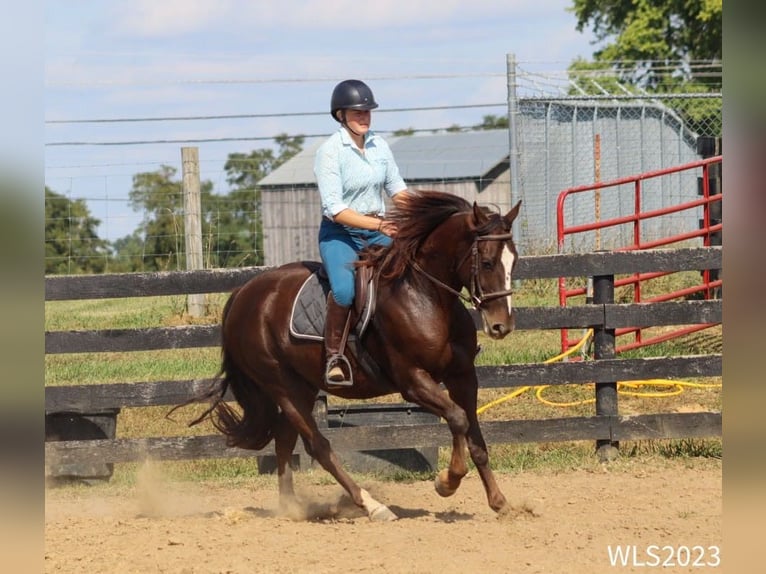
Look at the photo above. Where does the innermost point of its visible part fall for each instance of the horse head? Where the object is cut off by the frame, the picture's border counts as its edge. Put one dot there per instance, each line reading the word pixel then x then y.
pixel 456 246
pixel 492 258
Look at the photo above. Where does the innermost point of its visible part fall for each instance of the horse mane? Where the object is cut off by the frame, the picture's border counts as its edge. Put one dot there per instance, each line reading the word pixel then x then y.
pixel 415 218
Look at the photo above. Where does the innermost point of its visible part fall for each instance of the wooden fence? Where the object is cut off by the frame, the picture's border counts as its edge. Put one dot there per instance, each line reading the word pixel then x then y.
pixel 606 426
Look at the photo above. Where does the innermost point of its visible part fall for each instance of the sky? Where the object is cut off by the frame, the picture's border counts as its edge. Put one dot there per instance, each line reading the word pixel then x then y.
pixel 137 66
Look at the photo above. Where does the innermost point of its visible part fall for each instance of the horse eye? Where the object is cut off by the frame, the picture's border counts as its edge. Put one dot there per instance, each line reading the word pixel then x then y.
pixel 487 265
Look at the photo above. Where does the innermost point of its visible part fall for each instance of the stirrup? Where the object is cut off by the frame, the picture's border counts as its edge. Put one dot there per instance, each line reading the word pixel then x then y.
pixel 338 360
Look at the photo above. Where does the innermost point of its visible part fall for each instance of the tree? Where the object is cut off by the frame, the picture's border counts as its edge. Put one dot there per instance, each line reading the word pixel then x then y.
pixel 129 252
pixel 231 223
pixel 492 122
pixel 655 46
pixel 245 171
pixel 236 225
pixel 236 238
pixel 71 242
pixel 653 42
pixel 160 198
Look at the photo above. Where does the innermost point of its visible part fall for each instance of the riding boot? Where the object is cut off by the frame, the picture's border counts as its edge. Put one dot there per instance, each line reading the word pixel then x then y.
pixel 337 324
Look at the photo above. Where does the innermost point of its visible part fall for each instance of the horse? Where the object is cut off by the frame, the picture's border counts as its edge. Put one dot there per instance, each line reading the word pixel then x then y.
pixel 420 337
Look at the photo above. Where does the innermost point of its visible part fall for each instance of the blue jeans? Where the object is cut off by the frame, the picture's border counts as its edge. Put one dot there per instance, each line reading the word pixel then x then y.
pixel 338 248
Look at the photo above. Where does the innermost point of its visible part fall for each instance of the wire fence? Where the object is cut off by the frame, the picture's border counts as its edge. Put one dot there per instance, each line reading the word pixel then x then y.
pixel 562 133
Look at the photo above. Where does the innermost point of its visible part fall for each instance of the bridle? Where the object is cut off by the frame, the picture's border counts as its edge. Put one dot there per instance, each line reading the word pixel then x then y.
pixel 477 297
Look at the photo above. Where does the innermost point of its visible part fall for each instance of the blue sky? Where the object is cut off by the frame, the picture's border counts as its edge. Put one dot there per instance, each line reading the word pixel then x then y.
pixel 146 59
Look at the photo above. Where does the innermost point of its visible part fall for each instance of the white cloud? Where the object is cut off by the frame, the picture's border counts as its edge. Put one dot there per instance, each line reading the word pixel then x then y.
pixel 351 15
pixel 167 18
pixel 172 18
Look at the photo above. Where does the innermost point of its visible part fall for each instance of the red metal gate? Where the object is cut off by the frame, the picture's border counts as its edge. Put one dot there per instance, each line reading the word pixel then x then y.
pixel 709 230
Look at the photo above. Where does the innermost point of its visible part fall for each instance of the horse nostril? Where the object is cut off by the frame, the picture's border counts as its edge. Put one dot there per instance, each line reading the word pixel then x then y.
pixel 500 329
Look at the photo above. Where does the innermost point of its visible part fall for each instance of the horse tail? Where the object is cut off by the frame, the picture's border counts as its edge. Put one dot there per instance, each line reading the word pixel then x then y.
pixel 250 429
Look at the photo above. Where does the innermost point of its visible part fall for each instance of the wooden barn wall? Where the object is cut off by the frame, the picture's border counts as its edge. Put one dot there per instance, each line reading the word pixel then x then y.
pixel 291 216
pixel 290 225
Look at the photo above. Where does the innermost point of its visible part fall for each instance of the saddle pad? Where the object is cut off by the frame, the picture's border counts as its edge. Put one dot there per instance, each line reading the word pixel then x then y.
pixel 307 317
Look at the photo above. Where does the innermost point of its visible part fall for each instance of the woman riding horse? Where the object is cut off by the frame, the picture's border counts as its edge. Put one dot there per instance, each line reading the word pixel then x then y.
pixel 352 168
pixel 421 338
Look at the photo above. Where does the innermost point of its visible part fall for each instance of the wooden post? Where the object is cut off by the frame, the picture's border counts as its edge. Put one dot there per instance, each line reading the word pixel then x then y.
pixel 597 179
pixel 604 348
pixel 195 302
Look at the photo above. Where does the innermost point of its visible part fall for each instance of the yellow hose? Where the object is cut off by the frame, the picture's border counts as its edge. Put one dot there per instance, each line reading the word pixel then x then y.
pixel 676 387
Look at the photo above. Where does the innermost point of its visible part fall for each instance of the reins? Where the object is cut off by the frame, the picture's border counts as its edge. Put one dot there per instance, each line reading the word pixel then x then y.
pixel 477 298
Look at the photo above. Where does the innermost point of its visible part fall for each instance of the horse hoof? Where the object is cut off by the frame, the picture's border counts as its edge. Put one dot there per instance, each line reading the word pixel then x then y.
pixel 383 514
pixel 504 510
pixel 441 485
pixel 376 511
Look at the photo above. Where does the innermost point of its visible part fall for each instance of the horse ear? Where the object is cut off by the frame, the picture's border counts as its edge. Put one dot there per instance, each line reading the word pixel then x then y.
pixel 512 214
pixel 479 215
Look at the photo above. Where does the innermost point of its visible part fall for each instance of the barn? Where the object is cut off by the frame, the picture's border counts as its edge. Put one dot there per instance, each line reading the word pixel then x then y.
pixel 556 150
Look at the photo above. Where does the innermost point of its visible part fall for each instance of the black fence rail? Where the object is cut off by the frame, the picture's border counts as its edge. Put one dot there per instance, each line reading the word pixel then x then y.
pixel 607 427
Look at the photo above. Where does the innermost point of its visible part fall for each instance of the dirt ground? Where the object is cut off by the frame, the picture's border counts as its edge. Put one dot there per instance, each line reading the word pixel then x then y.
pixel 564 522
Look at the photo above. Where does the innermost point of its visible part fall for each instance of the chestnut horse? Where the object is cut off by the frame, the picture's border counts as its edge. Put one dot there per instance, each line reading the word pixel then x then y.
pixel 421 336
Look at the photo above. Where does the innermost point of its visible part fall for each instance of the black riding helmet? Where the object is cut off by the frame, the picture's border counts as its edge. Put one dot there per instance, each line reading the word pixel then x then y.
pixel 351 94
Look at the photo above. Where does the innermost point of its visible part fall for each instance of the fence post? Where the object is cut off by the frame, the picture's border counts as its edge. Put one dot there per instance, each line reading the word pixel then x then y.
pixel 710 147
pixel 604 348
pixel 513 147
pixel 192 223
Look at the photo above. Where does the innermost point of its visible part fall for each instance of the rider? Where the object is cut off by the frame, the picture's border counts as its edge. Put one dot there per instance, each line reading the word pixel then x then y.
pixel 353 167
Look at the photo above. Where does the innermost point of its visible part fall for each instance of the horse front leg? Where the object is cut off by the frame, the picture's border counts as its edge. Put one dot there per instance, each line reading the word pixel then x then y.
pixel 448 480
pixel 427 393
pixel 477 447
pixel 480 457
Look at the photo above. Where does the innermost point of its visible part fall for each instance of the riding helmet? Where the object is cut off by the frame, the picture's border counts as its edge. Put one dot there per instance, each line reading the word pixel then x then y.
pixel 352 94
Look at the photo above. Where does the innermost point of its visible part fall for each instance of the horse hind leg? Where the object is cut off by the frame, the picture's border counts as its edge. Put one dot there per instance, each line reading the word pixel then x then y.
pixel 285 438
pixel 320 449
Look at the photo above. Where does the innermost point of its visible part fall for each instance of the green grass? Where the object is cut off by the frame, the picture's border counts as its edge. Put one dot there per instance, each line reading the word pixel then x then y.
pixel 519 347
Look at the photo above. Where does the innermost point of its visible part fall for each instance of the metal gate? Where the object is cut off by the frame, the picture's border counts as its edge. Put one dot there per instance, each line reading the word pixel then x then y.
pixel 637 228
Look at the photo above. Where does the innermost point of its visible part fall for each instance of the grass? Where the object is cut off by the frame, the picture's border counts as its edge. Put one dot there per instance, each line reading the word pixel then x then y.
pixel 699 394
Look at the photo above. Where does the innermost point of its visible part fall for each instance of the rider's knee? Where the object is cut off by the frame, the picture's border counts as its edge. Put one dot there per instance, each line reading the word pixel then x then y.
pixel 343 295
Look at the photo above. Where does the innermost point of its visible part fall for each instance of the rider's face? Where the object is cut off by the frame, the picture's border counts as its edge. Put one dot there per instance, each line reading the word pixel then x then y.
pixel 359 120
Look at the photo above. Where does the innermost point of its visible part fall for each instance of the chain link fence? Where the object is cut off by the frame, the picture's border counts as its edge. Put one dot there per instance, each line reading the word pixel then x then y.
pixel 561 140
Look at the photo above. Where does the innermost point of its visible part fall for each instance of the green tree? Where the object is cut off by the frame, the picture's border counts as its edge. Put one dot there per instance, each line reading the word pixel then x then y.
pixel 71 242
pixel 655 46
pixel 160 197
pixel 493 122
pixel 236 225
pixel 653 42
pixel 404 132
pixel 236 237
pixel 129 254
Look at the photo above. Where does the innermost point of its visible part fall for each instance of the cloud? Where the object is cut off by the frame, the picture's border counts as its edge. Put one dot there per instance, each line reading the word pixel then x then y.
pixel 173 18
pixel 351 15
pixel 167 18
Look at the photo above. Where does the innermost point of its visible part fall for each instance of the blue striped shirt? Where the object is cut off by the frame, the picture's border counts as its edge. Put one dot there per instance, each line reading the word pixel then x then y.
pixel 348 178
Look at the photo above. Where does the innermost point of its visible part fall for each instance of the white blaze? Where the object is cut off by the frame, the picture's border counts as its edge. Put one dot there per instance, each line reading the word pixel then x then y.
pixel 508 260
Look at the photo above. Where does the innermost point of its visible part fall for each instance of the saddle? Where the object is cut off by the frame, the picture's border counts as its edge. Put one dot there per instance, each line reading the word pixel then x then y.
pixel 307 317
